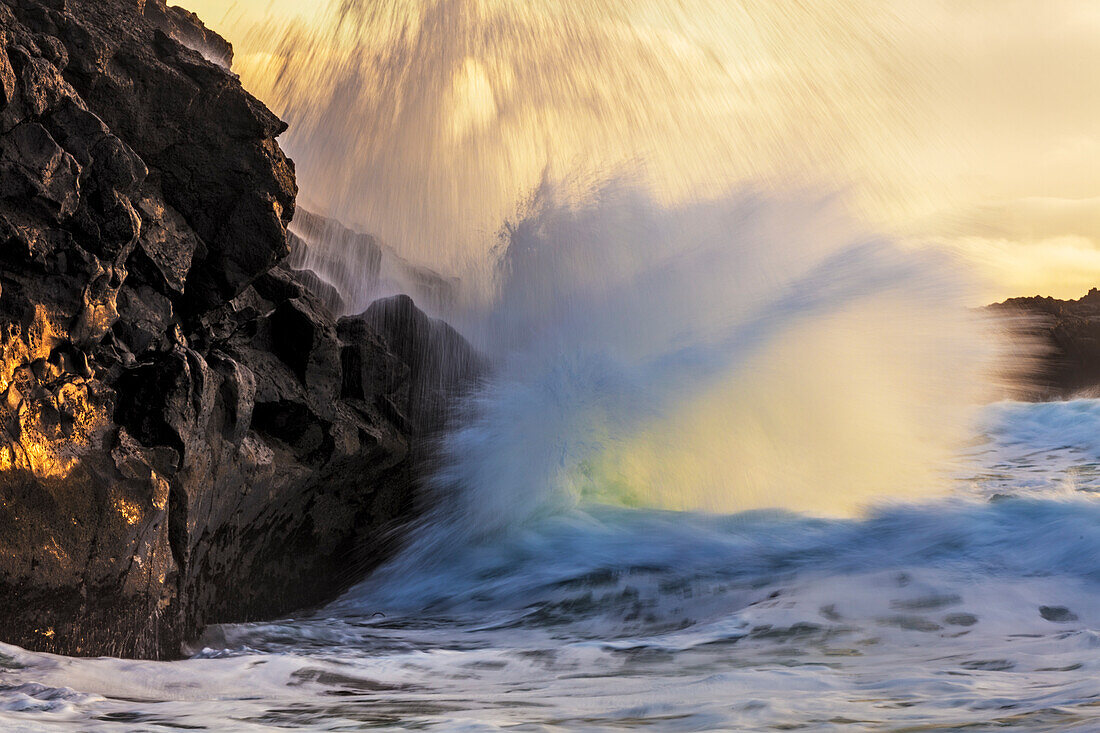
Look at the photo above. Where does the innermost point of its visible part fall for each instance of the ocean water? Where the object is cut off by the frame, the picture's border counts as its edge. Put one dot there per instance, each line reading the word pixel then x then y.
pixel 976 610
pixel 728 472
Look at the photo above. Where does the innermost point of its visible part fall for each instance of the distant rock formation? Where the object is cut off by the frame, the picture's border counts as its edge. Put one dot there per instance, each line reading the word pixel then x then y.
pixel 1067 336
pixel 187 433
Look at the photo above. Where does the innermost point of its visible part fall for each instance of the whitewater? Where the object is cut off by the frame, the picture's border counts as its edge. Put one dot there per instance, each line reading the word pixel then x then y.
pixel 977 611
pixel 742 458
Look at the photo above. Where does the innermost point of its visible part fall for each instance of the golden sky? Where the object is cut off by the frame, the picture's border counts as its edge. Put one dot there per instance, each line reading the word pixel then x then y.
pixel 970 124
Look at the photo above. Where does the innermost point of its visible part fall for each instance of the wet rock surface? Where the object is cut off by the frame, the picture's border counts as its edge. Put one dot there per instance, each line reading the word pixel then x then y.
pixel 187 433
pixel 1066 336
pixel 341 260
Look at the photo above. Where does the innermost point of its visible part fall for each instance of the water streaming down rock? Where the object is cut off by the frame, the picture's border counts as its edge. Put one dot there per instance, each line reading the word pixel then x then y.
pixel 347 267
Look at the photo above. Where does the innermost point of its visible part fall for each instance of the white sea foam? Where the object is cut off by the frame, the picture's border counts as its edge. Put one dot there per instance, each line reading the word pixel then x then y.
pixel 963 612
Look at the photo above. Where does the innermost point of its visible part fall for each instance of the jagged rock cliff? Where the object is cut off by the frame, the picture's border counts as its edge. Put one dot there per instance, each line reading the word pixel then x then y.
pixel 187 434
pixel 1066 338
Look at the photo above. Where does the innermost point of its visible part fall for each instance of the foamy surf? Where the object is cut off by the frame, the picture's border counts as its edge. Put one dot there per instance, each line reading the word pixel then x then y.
pixel 963 612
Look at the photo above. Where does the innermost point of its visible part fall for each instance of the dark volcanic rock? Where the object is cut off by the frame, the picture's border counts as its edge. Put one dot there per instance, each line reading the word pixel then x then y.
pixel 1067 336
pixel 440 360
pixel 187 434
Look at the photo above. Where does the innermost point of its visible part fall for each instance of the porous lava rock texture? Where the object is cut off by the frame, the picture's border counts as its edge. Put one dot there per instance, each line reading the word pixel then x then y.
pixel 187 433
